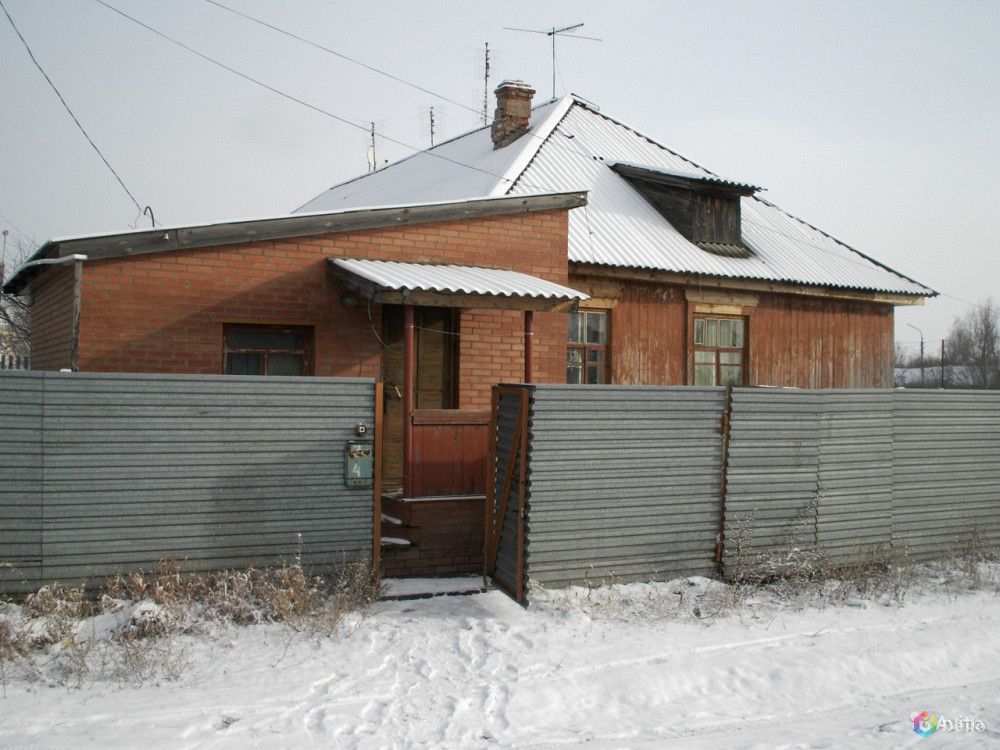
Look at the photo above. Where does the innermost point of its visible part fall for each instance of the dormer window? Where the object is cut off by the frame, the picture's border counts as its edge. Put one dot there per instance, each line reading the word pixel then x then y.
pixel 704 209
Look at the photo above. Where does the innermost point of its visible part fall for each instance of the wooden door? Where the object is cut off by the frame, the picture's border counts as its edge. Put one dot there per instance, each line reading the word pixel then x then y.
pixel 434 351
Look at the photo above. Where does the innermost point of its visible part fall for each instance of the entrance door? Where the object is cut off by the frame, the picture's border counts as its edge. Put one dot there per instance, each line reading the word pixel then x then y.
pixel 435 346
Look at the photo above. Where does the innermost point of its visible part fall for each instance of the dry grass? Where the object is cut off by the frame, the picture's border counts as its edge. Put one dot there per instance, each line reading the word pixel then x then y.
pixel 131 630
pixel 877 573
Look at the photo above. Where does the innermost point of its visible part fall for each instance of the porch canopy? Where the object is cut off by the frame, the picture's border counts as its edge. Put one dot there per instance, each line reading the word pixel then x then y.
pixel 422 284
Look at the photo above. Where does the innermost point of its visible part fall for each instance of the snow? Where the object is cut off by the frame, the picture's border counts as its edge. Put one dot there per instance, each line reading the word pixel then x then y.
pixel 630 666
pixel 398 588
pixel 395 541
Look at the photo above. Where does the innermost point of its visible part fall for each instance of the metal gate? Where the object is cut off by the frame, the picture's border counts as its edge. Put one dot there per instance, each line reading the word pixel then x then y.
pixel 505 489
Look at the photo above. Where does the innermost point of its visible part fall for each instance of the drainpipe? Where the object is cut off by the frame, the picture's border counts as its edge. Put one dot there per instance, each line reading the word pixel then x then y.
pixel 408 371
pixel 529 346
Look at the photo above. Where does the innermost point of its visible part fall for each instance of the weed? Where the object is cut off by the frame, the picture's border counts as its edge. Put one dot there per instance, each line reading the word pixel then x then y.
pixel 130 630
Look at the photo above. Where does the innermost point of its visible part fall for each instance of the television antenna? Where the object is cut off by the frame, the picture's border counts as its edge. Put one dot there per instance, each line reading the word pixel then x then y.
pixel 554 32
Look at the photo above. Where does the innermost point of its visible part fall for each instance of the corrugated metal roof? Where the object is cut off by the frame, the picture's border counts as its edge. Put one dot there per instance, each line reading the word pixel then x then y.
pixel 411 277
pixel 572 146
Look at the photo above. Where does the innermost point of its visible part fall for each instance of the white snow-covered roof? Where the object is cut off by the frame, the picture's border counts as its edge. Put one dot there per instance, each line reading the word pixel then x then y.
pixel 573 146
pixel 407 278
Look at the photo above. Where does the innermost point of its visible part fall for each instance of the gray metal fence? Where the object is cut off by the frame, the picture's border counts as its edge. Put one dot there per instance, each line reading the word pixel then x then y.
pixel 103 472
pixel 627 482
pixel 945 470
pixel 624 482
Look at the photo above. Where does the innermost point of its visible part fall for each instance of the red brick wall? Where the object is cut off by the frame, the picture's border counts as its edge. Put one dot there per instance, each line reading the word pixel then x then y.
pixel 164 312
pixel 450 539
pixel 53 319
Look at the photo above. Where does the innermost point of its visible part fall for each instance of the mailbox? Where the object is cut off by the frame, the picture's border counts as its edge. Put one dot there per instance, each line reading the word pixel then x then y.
pixel 359 463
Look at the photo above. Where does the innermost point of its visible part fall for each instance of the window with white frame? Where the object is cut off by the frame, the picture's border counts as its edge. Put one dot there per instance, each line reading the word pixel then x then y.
pixel 586 347
pixel 719 351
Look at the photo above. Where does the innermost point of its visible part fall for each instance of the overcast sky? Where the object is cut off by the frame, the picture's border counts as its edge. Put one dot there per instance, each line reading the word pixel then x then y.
pixel 874 121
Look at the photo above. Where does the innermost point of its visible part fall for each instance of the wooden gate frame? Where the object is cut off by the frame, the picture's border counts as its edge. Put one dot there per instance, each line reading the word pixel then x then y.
pixel 495 520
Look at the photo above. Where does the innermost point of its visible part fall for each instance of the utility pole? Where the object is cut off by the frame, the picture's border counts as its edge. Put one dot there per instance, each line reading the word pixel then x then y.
pixel 921 352
pixel 942 363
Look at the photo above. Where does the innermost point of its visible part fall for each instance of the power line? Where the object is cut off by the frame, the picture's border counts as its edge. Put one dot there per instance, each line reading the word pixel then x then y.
pixel 320 47
pixel 61 99
pixel 285 95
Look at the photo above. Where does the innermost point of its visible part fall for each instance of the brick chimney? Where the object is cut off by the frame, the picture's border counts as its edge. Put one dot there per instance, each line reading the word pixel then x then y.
pixel 513 112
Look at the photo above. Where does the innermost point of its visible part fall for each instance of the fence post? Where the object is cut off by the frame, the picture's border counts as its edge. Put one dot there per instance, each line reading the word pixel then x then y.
pixel 725 424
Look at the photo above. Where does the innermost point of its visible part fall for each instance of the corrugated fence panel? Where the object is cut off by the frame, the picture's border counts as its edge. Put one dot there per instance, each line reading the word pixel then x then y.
pixel 20 478
pixel 624 482
pixel 946 470
pixel 773 471
pixel 218 471
pixel 854 511
pixel 507 548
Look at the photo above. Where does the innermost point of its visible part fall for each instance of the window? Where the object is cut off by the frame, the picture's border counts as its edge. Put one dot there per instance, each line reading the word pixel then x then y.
pixel 267 350
pixel 586 350
pixel 719 351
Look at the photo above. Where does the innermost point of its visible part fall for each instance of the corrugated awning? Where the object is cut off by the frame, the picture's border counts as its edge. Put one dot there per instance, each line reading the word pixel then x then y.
pixel 391 282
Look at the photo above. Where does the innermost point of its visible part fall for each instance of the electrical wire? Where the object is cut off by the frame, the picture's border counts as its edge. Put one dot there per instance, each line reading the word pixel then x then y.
pixel 861 261
pixel 366 66
pixel 279 92
pixel 61 99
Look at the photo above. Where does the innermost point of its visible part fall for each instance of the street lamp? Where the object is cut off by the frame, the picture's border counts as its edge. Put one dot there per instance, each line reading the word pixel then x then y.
pixel 921 352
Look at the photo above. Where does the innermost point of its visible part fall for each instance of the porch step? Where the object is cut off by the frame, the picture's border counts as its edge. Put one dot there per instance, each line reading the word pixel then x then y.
pixel 397 508
pixel 424 588
pixel 395 533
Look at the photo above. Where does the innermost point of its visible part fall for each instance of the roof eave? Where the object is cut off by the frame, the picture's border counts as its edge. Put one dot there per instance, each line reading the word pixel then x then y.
pixel 164 239
pixel 747 284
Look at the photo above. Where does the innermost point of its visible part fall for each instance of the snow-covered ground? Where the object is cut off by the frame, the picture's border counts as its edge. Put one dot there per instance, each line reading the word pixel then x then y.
pixel 639 666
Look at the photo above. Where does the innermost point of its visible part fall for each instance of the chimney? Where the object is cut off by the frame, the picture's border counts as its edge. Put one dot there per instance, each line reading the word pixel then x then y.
pixel 513 112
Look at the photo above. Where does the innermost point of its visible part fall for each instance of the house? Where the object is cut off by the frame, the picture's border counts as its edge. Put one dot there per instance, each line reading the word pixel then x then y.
pixel 556 245
pixel 692 279
pixel 437 301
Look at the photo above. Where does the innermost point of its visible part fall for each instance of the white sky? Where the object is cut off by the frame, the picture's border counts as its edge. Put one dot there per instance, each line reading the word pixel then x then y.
pixel 875 122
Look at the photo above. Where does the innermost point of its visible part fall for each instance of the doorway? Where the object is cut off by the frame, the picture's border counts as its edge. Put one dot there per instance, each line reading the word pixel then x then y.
pixel 435 352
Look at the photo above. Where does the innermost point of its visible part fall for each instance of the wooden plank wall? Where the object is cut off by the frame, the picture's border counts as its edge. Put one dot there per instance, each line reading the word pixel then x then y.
pixel 217 471
pixel 800 342
pixel 449 452
pixel 793 341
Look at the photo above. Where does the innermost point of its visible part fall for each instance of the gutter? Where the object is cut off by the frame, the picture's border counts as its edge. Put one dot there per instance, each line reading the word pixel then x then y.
pixel 18 282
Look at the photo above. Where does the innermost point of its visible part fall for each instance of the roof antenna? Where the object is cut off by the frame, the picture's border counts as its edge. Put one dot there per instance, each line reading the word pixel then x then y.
pixel 554 32
pixel 372 155
pixel 148 211
pixel 486 87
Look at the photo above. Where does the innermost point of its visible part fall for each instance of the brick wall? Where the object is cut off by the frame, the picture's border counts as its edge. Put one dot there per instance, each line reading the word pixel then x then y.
pixel 53 319
pixel 165 312
pixel 450 538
